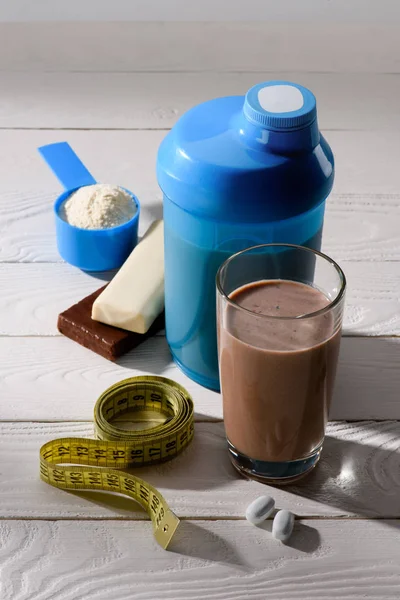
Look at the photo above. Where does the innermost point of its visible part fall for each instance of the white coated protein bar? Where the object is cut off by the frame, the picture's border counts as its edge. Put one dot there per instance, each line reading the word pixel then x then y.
pixel 135 296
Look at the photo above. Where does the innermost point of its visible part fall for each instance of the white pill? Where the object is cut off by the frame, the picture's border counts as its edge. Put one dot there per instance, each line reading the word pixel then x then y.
pixel 282 525
pixel 260 509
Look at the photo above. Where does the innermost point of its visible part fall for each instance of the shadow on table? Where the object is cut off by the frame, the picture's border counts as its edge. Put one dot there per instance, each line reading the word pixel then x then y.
pixel 102 275
pixel 154 210
pixel 367 382
pixel 356 477
pixel 191 539
pixel 188 472
pixel 151 356
pixel 304 538
pixel 119 504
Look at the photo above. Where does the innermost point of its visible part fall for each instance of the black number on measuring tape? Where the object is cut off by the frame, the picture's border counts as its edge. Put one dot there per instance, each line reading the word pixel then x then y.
pixel 138 397
pixel 44 471
pixel 58 476
pixel 122 401
pixel 130 485
pixel 183 437
pixel 63 450
pixel 160 516
pixel 154 452
pixel 99 453
pixel 76 477
pixel 170 446
pixel 155 397
pixel 144 492
pixel 154 504
pixel 48 454
pixel 116 454
pixel 136 454
pixel 82 451
pixel 112 480
pixel 94 478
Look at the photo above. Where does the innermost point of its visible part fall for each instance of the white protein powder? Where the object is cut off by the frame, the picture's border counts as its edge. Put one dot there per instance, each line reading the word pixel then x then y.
pixel 98 206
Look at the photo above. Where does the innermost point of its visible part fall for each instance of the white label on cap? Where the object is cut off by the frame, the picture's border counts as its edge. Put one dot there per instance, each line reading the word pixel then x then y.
pixel 280 98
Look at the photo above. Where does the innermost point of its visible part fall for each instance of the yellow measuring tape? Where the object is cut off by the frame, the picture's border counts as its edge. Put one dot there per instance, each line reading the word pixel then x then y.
pixel 118 448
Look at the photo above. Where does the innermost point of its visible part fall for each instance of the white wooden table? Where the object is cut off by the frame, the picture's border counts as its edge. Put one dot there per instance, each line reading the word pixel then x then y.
pixel 113 102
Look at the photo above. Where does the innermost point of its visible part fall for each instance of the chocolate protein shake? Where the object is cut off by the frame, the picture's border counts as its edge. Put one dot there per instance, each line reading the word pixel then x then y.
pixel 277 374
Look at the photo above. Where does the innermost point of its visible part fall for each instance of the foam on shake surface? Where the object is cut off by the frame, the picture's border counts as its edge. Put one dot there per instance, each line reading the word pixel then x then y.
pixel 280 298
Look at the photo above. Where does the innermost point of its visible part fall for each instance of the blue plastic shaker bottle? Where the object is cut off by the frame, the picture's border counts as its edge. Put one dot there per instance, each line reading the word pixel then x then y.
pixel 235 172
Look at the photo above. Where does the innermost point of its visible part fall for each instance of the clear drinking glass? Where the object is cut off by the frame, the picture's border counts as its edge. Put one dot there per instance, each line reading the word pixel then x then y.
pixel 280 312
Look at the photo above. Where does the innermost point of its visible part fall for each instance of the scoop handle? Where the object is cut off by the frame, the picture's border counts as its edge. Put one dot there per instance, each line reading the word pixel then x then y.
pixel 66 165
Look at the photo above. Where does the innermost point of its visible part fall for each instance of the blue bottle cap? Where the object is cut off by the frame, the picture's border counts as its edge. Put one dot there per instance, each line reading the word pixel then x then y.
pixel 231 159
pixel 280 105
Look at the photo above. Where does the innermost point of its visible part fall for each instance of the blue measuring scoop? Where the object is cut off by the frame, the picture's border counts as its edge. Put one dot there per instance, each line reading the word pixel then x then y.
pixel 87 249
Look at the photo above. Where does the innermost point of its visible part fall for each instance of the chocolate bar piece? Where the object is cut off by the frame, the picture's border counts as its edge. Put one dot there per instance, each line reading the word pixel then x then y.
pixel 111 342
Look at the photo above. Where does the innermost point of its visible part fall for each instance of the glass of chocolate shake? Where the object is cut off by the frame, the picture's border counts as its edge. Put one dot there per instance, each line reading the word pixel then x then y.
pixel 280 311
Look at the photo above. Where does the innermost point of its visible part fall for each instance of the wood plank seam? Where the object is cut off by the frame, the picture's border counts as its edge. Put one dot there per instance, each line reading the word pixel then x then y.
pixel 299 518
pixel 324 130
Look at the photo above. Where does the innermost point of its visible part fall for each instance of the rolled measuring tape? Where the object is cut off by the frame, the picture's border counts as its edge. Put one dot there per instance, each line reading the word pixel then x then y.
pixel 117 448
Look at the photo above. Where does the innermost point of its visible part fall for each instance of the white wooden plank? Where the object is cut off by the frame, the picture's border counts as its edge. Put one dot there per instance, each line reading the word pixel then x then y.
pixel 358 227
pixel 55 379
pixel 34 294
pixel 156 100
pixel 251 46
pixel 357 476
pixel 366 161
pixel 365 11
pixel 361 227
pixel 217 560
pixel 363 214
pixel 68 378
pixel 33 302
